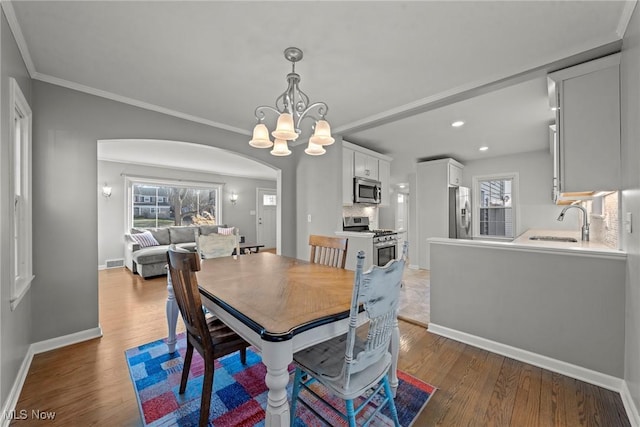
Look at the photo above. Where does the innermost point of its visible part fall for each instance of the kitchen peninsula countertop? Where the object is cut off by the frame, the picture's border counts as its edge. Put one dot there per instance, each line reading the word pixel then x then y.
pixel 522 242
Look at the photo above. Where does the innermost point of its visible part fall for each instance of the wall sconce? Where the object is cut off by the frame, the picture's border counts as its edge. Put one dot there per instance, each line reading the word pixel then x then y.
pixel 233 198
pixel 106 190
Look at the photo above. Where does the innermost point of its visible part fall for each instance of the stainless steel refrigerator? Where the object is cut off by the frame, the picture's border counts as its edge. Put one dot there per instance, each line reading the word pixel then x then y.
pixel 460 209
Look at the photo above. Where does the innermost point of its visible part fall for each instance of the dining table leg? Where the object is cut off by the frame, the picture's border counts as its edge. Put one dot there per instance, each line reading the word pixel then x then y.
pixel 277 356
pixel 172 315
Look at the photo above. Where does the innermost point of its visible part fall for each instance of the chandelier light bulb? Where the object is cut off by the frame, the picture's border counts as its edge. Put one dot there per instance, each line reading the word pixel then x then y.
pixel 314 149
pixel 285 129
pixel 322 134
pixel 280 148
pixel 261 137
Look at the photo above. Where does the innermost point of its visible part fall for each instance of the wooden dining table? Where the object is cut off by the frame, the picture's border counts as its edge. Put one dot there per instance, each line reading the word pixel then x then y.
pixel 280 305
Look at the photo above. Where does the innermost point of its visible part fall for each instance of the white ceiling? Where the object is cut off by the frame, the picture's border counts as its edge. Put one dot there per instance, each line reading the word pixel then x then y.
pixel 391 72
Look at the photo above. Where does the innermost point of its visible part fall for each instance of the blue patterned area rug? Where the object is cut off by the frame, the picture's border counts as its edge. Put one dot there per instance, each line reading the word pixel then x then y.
pixel 240 394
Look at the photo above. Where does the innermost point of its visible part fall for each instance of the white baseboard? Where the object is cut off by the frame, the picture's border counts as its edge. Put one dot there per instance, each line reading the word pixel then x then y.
pixel 12 399
pixel 574 371
pixel 63 341
pixel 102 267
pixel 35 348
pixel 629 406
pixel 414 267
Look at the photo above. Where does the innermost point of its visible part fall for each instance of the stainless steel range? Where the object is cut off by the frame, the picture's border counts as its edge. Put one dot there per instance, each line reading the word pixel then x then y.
pixel 385 242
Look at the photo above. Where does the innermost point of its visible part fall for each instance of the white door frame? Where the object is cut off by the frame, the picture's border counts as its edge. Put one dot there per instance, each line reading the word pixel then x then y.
pixel 278 193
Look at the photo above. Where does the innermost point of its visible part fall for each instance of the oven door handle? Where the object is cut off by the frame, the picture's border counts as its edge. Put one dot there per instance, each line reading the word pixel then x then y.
pixel 387 244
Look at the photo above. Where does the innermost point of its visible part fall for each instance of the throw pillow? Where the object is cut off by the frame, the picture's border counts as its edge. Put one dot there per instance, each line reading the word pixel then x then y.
pixel 161 235
pixel 208 229
pixel 145 239
pixel 225 231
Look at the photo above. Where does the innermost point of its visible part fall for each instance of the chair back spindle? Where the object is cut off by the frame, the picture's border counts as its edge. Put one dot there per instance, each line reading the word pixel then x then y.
pixel 327 250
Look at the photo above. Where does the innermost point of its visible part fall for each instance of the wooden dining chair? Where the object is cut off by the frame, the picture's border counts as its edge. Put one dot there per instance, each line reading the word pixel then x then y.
pixel 327 250
pixel 216 245
pixel 211 337
pixel 350 365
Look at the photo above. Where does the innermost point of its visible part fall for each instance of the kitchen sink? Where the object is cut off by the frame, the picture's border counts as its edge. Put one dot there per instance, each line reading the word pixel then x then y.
pixel 553 239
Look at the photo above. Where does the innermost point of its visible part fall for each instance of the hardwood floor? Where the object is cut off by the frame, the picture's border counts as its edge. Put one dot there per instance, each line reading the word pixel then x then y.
pixel 89 384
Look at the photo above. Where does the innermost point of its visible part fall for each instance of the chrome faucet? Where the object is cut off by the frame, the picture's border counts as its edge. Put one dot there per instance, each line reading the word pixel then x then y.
pixel 585 224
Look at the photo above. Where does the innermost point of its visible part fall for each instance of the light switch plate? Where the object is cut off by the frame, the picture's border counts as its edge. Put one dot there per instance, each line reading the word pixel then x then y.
pixel 309 218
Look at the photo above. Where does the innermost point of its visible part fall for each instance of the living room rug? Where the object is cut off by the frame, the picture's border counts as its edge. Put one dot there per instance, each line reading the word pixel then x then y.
pixel 240 394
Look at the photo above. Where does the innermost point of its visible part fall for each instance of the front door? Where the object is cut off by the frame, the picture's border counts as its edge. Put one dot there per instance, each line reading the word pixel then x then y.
pixel 266 227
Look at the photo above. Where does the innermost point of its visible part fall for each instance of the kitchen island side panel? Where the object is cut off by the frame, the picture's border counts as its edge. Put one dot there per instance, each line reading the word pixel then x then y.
pixel 564 306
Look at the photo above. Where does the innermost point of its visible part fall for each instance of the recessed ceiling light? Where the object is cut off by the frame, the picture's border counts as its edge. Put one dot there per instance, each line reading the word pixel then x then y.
pixel 483 148
pixel 457 123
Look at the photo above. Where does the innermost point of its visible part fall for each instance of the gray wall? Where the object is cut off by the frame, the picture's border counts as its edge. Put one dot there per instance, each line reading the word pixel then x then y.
pixel 630 108
pixel 67 127
pixel 111 218
pixel 16 325
pixel 535 172
pixel 319 194
pixel 564 306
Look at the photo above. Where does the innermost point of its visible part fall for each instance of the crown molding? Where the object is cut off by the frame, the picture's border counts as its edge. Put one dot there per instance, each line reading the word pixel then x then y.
pixel 136 103
pixel 10 13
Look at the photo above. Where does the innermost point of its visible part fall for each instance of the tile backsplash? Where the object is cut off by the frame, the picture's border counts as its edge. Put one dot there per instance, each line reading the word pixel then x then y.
pixel 362 210
pixel 604 224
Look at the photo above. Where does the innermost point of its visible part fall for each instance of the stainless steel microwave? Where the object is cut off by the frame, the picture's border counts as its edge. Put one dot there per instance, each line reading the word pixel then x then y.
pixel 366 190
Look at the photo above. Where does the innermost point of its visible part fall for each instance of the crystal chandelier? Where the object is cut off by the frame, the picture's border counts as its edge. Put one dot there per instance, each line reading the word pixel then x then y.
pixel 292 107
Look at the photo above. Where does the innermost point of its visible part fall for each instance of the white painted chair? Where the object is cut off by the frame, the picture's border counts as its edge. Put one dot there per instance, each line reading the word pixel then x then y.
pixel 349 365
pixel 218 245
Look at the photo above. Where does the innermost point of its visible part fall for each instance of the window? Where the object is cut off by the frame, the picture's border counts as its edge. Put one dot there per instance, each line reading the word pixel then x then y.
pixel 269 199
pixel 20 187
pixel 495 205
pixel 163 203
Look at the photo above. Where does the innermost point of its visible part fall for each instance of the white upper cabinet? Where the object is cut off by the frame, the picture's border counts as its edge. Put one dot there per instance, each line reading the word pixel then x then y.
pixel 455 175
pixel 363 163
pixel 587 97
pixel 365 166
